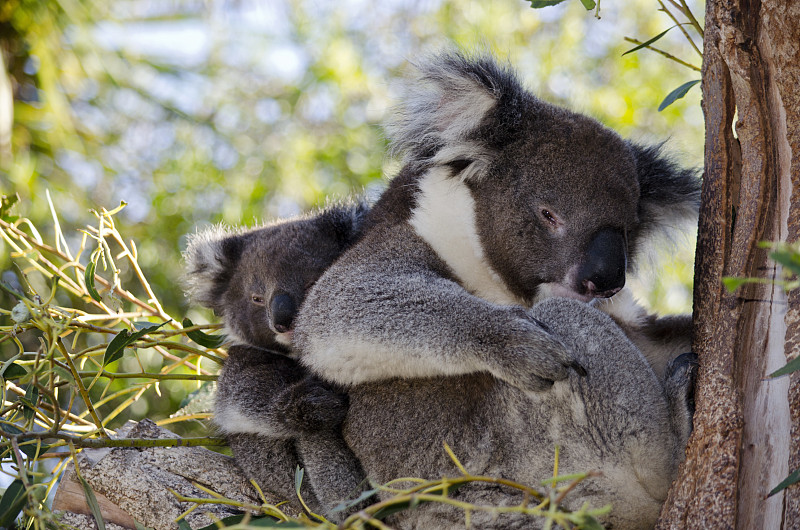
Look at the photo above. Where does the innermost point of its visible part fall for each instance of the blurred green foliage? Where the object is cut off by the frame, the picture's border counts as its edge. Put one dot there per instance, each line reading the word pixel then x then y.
pixel 240 111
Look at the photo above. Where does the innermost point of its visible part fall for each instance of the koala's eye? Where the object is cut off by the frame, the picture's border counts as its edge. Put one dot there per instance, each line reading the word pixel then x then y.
pixel 549 217
pixel 259 300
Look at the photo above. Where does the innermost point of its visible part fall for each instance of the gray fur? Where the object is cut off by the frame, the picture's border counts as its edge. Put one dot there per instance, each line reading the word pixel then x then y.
pixel 615 420
pixel 277 416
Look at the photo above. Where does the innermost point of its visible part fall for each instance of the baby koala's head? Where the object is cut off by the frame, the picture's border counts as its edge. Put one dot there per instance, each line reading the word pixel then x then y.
pixel 256 279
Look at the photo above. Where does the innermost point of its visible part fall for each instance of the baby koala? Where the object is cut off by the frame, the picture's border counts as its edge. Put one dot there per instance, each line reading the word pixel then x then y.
pixel 276 415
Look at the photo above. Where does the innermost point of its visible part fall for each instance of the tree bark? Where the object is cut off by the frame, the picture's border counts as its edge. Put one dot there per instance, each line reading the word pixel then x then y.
pixel 747 426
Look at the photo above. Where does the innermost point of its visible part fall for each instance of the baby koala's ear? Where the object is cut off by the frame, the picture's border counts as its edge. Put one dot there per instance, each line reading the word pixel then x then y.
pixel 211 258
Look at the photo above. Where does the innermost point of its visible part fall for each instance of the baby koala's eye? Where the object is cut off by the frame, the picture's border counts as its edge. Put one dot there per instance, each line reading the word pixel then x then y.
pixel 259 300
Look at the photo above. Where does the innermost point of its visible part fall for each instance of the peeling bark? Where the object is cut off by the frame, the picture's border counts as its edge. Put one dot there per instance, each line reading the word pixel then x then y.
pixel 747 426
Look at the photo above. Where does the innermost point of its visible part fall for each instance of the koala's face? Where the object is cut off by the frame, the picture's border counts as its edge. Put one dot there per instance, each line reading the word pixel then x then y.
pixel 276 268
pixel 257 279
pixel 559 211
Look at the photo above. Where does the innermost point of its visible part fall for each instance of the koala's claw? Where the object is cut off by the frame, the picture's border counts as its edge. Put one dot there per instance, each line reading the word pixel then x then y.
pixel 578 368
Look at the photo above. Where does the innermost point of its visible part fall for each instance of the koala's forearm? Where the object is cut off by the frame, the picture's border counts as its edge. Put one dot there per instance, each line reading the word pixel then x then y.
pixel 375 321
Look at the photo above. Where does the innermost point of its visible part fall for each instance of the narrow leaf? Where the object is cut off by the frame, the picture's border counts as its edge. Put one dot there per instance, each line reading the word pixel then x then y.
pixel 183 525
pixel 203 339
pixel 116 347
pixel 649 42
pixel 91 500
pixel 538 4
pixel 298 479
pixel 88 277
pixel 349 504
pixel 791 366
pixel 140 526
pixel 794 478
pixel 732 283
pixel 263 521
pixel 588 4
pixel 14 371
pixel 33 449
pixel 31 401
pixel 787 258
pixel 11 503
pixel 677 94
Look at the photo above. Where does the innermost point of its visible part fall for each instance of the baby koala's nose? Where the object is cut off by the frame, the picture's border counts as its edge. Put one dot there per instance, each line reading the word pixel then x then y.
pixel 282 310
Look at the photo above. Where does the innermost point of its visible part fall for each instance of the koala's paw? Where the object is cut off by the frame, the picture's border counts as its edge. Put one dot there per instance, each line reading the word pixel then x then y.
pixel 311 406
pixel 680 379
pixel 679 383
pixel 533 358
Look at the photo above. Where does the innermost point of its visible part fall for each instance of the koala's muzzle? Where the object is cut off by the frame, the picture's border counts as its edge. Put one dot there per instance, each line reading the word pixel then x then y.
pixel 282 310
pixel 603 272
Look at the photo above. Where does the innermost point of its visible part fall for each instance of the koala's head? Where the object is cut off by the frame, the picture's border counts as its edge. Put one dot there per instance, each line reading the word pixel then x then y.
pixel 562 204
pixel 256 279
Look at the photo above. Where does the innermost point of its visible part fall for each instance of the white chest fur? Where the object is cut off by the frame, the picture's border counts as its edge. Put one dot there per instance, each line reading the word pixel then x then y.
pixel 445 219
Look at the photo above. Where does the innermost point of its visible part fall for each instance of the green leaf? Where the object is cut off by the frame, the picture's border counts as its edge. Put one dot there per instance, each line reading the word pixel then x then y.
pixel 11 503
pixel 677 94
pixel 538 4
pixel 649 42
pixel 183 525
pixel 791 366
pixel 91 500
pixel 732 283
pixel 794 478
pixel 588 4
pixel 10 429
pixel 349 504
pixel 31 401
pixel 116 347
pixel 298 479
pixel 203 339
pixel 33 449
pixel 788 258
pixel 14 371
pixel 88 277
pixel 263 521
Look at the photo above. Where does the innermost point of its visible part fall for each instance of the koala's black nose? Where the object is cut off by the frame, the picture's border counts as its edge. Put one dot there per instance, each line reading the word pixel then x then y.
pixel 282 311
pixel 603 272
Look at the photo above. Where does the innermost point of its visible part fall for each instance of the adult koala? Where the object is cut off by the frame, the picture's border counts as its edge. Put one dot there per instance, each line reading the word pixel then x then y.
pixel 503 201
pixel 275 414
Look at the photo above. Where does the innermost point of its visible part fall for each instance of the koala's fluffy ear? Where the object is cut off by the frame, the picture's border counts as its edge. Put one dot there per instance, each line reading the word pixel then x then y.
pixel 343 220
pixel 211 257
pixel 446 103
pixel 670 195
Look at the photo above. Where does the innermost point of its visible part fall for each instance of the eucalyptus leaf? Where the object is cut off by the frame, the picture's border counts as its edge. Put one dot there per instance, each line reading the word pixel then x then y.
pixel 788 258
pixel 33 449
pixel 538 4
pixel 183 525
pixel 793 478
pixel 677 94
pixel 649 42
pixel 264 521
pixel 11 503
pixel 791 366
pixel 203 339
pixel 88 277
pixel 116 347
pixel 588 4
pixel 91 500
pixel 14 371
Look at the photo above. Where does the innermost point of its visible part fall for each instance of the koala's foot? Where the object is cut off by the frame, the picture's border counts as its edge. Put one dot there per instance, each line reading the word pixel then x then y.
pixel 679 386
pixel 310 406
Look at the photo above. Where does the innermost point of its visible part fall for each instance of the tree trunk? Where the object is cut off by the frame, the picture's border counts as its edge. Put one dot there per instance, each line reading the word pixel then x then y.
pixel 747 426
